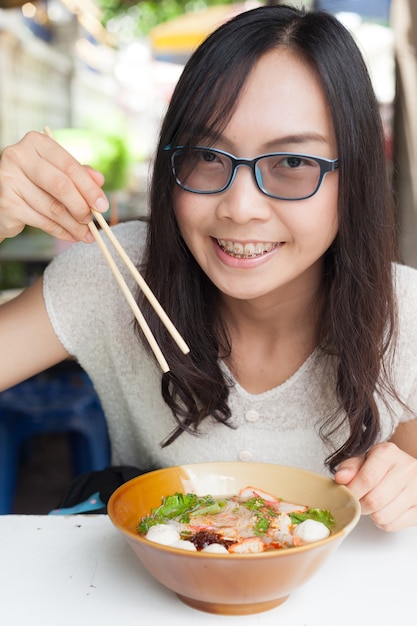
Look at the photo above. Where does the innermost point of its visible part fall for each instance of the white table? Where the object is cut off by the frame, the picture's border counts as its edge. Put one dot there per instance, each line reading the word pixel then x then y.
pixel 78 570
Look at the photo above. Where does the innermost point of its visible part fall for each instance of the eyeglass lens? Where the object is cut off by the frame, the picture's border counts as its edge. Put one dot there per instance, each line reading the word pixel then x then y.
pixel 287 176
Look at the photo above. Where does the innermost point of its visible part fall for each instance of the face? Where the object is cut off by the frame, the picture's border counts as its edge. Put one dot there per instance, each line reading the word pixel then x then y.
pixel 252 246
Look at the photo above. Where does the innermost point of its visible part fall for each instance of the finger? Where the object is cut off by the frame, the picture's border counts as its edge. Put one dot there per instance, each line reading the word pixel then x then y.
pixel 394 499
pixel 37 208
pixel 56 229
pixel 50 214
pixel 348 469
pixel 377 481
pixel 407 518
pixel 394 512
pixel 95 175
pixel 72 188
pixel 382 498
pixel 367 478
pixel 54 170
pixel 68 164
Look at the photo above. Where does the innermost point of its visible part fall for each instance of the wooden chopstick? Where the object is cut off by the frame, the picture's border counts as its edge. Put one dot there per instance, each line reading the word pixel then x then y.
pixel 142 283
pixel 139 280
pixel 130 299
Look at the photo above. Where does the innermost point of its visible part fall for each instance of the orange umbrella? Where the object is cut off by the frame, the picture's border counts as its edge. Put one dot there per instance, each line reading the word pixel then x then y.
pixel 176 39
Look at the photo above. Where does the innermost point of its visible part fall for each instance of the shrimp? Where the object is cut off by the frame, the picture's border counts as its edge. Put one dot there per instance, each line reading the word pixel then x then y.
pixel 253 492
pixel 250 545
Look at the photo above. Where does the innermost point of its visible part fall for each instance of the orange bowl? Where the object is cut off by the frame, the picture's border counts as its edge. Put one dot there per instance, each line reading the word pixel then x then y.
pixel 232 584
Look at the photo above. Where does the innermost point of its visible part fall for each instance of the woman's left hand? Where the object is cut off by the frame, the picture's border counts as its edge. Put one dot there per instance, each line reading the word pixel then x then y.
pixel 385 483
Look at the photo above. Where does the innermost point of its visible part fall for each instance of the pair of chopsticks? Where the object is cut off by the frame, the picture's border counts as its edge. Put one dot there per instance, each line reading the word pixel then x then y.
pixel 139 280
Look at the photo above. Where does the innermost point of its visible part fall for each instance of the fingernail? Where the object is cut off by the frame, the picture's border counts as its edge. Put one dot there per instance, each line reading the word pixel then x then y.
pixel 102 204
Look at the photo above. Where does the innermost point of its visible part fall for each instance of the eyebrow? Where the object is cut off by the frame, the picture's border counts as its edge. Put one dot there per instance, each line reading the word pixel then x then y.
pixel 299 138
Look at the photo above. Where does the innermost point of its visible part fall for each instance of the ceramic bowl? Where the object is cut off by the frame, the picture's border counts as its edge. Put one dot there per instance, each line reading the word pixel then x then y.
pixel 232 584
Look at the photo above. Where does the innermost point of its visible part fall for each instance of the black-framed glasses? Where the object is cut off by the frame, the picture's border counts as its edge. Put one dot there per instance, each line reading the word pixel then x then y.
pixel 280 175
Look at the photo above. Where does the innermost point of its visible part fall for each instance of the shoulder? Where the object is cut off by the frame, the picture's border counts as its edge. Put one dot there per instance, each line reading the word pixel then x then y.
pixel 132 236
pixel 405 288
pixel 79 285
pixel 405 363
pixel 82 257
pixel 405 278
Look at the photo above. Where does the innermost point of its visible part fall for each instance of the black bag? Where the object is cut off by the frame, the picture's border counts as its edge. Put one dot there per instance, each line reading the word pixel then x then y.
pixel 90 492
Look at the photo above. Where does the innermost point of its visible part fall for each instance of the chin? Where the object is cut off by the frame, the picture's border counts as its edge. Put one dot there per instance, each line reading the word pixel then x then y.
pixel 246 294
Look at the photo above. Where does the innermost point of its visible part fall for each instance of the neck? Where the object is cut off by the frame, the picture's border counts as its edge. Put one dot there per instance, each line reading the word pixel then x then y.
pixel 271 336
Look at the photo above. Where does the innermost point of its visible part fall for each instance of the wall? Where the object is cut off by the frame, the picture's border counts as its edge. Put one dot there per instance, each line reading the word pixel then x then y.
pixel 35 83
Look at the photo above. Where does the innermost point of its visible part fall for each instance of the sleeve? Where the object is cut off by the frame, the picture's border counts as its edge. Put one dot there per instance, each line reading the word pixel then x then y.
pixel 410 412
pixel 404 363
pixel 82 297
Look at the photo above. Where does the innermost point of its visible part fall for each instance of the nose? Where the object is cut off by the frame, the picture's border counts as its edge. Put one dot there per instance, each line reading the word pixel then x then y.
pixel 243 201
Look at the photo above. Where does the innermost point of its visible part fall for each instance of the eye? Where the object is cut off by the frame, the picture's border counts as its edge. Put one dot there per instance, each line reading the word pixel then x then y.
pixel 292 161
pixel 208 156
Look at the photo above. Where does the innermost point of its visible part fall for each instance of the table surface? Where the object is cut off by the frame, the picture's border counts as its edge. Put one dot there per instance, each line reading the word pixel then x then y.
pixel 78 570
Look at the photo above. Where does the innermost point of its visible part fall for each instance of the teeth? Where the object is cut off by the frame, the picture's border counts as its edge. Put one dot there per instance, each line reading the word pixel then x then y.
pixel 245 250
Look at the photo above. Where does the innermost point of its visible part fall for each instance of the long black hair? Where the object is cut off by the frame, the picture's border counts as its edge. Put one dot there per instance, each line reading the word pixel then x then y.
pixel 358 321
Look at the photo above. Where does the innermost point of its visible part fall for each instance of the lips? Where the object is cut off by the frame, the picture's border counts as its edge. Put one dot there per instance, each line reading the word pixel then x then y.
pixel 247 250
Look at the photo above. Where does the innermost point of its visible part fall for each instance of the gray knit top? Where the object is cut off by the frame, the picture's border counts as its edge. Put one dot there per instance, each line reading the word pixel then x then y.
pixel 95 324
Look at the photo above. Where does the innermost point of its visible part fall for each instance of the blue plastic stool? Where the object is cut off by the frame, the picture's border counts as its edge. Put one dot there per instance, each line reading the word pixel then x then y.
pixel 61 399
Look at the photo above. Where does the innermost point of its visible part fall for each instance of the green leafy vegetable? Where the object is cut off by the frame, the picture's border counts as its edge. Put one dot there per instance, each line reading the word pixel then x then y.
pixel 210 509
pixel 255 504
pixel 261 525
pixel 182 506
pixel 319 515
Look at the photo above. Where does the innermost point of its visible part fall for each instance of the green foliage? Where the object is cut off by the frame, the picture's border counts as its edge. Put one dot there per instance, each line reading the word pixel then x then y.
pixel 149 13
pixel 107 152
pixel 13 275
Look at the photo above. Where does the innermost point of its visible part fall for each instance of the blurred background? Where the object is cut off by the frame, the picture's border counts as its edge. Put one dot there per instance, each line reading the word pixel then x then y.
pixel 100 74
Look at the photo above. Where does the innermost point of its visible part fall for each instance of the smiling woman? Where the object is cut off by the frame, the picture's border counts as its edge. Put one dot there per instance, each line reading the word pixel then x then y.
pixel 292 234
pixel 270 244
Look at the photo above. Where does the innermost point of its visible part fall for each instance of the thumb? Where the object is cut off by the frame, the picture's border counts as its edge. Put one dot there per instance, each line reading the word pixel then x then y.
pixel 348 469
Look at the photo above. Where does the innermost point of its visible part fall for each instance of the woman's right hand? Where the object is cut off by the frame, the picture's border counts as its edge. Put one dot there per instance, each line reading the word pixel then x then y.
pixel 43 186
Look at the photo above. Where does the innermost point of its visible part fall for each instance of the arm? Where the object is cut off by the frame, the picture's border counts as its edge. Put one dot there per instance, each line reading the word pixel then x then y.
pixel 28 342
pixel 42 185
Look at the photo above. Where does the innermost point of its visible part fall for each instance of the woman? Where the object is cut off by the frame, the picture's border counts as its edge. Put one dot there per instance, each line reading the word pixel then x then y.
pixel 270 245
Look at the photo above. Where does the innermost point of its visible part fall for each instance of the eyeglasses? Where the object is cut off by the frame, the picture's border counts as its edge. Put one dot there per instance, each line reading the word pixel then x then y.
pixel 281 175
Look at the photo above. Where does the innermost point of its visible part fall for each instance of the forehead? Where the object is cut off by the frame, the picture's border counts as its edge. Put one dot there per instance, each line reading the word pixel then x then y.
pixel 283 97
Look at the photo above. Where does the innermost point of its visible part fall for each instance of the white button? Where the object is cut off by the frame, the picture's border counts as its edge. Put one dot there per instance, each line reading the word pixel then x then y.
pixel 245 455
pixel 252 415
